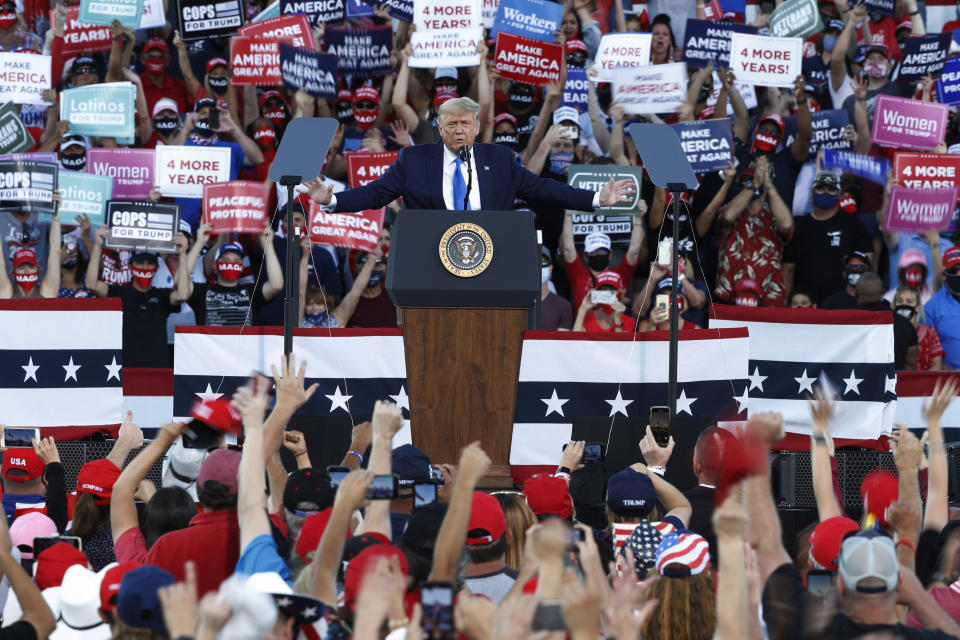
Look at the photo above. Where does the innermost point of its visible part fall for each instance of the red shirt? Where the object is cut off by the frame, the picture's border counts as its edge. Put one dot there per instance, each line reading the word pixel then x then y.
pixel 752 248
pixel 590 324
pixel 930 346
pixel 173 88
pixel 212 542
pixel 581 280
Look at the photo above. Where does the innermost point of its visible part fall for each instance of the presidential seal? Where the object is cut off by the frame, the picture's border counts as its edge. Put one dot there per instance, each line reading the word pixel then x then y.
pixel 466 250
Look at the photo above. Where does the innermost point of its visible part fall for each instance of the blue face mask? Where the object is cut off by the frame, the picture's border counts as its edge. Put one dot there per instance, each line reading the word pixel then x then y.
pixel 560 162
pixel 376 278
pixel 316 319
pixel 544 274
pixel 825 201
pixel 828 42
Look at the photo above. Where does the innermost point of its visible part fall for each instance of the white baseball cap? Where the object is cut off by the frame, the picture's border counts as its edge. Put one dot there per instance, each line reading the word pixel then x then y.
pixel 869 554
pixel 596 241
pixel 566 113
pixel 165 103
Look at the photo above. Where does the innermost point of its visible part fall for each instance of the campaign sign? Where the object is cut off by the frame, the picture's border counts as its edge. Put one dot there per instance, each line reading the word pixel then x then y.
pixel 798 18
pixel 618 227
pixel 926 170
pixel 766 61
pixel 24 77
pixel 359 9
pixel 255 61
pixel 141 225
pixel 28 185
pixel 746 91
pixel 525 60
pixel 152 14
pixel 886 7
pixel 908 124
pixel 320 11
pixel 82 194
pixel 183 171
pixel 128 12
pixel 400 9
pixel 360 230
pixel 948 86
pixel 706 41
pixel 707 143
pixel 361 52
pixel 593 177
pixel 488 12
pixel 923 55
pixel 202 19
pixel 130 169
pixel 737 6
pixel 446 48
pixel 293 30
pixel 437 15
pixel 35 156
pixel 827 130
pixel 105 110
pixel 315 72
pixel 79 37
pixel 575 91
pixel 919 210
pixel 536 19
pixel 658 88
pixel 622 50
pixel 868 167
pixel 269 12
pixel 363 168
pixel 13 133
pixel 235 207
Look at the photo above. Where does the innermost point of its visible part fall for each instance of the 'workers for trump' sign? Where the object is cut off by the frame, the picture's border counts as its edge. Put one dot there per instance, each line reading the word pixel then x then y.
pixel 529 61
pixel 764 60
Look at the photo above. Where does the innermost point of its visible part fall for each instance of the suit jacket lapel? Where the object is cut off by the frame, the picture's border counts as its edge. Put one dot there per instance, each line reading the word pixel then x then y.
pixel 435 177
pixel 484 177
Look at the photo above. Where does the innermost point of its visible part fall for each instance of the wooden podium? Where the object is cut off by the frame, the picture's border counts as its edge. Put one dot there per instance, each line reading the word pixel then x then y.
pixel 463 334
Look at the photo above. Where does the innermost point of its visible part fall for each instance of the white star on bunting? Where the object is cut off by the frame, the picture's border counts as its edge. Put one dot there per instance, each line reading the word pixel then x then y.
pixel 338 401
pixel 113 370
pixel 30 370
pixel 401 399
pixel 853 383
pixel 207 394
pixel 805 383
pixel 756 380
pixel 617 405
pixel 71 370
pixel 555 404
pixel 684 403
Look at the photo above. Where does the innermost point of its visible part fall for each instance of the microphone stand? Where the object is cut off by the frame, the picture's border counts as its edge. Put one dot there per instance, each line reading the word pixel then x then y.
pixel 464 153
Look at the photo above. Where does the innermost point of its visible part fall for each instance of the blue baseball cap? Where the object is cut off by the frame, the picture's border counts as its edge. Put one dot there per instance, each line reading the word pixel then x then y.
pixel 138 601
pixel 410 464
pixel 230 246
pixel 630 493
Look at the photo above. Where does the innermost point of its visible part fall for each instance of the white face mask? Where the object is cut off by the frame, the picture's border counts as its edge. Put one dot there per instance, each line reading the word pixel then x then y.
pixel 544 274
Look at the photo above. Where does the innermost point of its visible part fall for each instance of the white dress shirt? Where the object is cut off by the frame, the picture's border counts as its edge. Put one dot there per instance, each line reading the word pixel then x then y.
pixel 449 167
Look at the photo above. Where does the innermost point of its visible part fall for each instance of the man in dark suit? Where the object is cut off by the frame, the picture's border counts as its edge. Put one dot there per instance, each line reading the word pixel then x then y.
pixel 437 175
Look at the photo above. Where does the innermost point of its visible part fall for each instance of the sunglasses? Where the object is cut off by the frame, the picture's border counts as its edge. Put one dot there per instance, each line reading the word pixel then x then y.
pixel 229 447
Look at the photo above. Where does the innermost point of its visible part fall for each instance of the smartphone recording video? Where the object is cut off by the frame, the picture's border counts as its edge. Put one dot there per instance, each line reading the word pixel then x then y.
pixel 424 494
pixel 383 488
pixel 337 475
pixel 436 599
pixel 19 438
pixel 660 425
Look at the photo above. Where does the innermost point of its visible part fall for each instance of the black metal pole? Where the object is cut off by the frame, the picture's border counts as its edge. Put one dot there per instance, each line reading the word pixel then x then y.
pixel 291 275
pixel 677 190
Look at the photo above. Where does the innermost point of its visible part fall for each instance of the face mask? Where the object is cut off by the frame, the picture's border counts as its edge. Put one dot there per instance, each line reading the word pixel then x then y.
pixel 854 272
pixel 904 311
pixel 953 283
pixel 520 101
pixel 252 11
pixel 747 301
pixel 576 61
pixel 825 201
pixel 202 128
pixel 156 66
pixel 766 142
pixel 875 16
pixel 167 126
pixel 344 112
pixel 606 308
pixel 365 119
pixel 376 279
pixel 913 276
pixel 218 85
pixel 560 162
pixel 544 274
pixel 828 43
pixel 143 277
pixel 265 137
pixel 598 261
pixel 74 161
pixel 27 280
pixel 8 19
pixel 229 270
pixel 703 95
pixel 316 319
pixel 876 69
pixel 506 139
pixel 277 116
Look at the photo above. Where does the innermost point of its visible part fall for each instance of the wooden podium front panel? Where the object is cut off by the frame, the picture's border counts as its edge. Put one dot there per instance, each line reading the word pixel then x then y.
pixel 462 373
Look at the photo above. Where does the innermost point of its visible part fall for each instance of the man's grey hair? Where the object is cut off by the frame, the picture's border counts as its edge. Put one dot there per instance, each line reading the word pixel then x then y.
pixel 458 106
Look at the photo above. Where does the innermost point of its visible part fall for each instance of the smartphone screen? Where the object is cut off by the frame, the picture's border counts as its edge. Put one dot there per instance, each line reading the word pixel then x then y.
pixel 660 425
pixel 574 536
pixel 436 599
pixel 337 475
pixel 424 494
pixel 593 452
pixel 214 118
pixel 383 488
pixel 549 617
pixel 19 438
pixel 662 300
pixel 819 582
pixel 41 543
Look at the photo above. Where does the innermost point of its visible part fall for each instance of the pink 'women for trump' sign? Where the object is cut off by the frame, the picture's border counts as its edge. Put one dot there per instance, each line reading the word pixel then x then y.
pixel 908 124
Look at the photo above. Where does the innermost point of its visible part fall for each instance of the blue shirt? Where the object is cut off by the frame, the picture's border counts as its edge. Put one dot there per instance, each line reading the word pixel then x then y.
pixel 913 241
pixel 260 556
pixel 190 207
pixel 943 314
pixel 24 500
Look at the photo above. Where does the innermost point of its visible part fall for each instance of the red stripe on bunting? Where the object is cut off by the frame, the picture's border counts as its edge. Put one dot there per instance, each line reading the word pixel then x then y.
pixel 799 316
pixel 62 304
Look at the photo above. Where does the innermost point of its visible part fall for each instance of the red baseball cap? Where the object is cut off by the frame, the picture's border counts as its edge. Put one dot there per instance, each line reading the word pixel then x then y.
pixel 365 562
pixel 748 284
pixel 444 95
pixel 222 466
pixel 366 93
pixel 487 522
pixel 548 495
pixel 344 94
pixel 951 257
pixel 25 460
pixel 110 585
pixel 213 63
pixel 219 414
pixel 826 538
pixel 269 95
pixel 97 478
pixel 509 117
pixel 54 562
pixel 879 489
pixel 24 256
pixel 848 203
pixel 156 43
pixel 611 278
pixel 575 45
pixel 311 531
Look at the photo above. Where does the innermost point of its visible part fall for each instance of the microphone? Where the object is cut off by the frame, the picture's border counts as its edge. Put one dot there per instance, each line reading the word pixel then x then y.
pixel 464 153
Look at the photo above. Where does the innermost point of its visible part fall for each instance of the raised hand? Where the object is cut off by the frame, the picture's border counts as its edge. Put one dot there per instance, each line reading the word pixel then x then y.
pixel 290 391
pixel 653 453
pixel 943 394
pixel 387 419
pixel 319 192
pixel 616 191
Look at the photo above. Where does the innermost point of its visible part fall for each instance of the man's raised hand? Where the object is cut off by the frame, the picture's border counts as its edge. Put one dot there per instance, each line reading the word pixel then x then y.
pixel 616 191
pixel 387 419
pixel 290 391
pixel 318 191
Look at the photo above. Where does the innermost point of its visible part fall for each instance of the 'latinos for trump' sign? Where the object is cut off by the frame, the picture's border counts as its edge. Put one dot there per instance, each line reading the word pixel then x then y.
pixel 27 185
pixel 24 77
pixel 707 143
pixel 201 19
pixel 529 61
pixel 183 171
pixel 918 210
pixel 235 207
pixel 82 194
pixel 360 230
pixel 764 60
pixel 621 50
pixel 130 169
pixel 706 41
pixel 128 12
pixel 908 124
pixel 100 109
pixel 142 225
pixel 658 88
